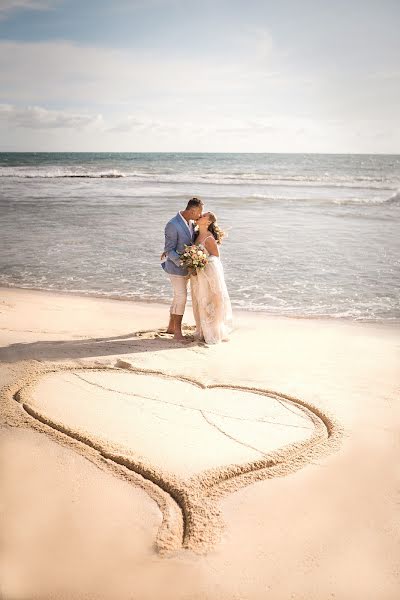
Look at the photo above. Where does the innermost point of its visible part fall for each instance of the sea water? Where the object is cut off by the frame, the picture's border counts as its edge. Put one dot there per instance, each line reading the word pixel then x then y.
pixel 307 234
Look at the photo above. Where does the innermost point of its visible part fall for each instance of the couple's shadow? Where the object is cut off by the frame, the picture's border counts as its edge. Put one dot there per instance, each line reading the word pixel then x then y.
pixel 130 343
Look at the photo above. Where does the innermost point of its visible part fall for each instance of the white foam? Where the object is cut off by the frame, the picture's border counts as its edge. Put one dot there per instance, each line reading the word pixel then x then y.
pixel 23 173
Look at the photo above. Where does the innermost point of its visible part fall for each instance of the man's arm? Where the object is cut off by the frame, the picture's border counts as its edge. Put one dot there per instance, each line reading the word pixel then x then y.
pixel 171 241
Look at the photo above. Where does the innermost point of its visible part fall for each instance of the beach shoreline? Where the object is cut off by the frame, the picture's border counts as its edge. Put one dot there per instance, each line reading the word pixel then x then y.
pixel 162 304
pixel 124 452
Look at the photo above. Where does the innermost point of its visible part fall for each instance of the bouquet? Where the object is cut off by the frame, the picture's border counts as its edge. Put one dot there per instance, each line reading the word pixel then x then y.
pixel 193 258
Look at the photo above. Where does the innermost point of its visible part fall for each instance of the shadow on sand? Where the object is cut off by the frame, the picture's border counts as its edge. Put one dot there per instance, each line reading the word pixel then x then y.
pixel 130 343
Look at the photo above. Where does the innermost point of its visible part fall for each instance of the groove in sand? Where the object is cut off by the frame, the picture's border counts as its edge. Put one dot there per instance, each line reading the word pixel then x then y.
pixel 191 516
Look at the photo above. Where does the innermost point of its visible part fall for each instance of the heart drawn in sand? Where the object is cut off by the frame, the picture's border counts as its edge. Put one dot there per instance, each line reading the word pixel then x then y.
pixel 187 443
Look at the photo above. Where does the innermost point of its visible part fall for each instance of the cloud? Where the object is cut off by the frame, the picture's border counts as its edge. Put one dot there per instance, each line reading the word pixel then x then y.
pixel 36 117
pixel 165 101
pixel 142 124
pixel 9 6
pixel 51 71
pixel 220 127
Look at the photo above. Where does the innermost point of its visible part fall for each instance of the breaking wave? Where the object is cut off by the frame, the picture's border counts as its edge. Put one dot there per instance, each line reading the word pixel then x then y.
pixel 37 174
pixel 231 178
pixel 395 198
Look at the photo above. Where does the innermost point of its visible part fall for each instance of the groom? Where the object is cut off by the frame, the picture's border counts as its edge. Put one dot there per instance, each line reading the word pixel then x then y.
pixel 178 232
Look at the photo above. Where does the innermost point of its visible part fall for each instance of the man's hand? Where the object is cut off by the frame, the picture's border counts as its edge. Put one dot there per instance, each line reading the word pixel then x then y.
pixel 163 255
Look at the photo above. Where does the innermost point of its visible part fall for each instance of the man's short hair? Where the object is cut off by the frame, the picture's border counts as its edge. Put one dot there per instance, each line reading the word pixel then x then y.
pixel 194 202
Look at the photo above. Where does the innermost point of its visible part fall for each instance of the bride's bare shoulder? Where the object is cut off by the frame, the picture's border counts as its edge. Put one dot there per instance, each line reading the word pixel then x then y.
pixel 211 245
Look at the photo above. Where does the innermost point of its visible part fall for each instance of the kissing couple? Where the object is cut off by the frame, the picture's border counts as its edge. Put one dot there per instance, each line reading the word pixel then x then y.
pixel 190 230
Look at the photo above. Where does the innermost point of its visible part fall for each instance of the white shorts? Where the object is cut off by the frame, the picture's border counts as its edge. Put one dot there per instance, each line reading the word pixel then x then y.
pixel 179 286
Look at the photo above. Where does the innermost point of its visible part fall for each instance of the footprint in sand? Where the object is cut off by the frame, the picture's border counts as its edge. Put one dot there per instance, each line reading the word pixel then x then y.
pixel 151 334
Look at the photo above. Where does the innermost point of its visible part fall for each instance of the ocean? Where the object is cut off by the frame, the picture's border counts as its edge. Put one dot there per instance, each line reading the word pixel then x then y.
pixel 308 235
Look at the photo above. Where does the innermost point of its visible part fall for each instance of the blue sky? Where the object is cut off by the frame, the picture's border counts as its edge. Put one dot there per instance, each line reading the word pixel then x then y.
pixel 183 75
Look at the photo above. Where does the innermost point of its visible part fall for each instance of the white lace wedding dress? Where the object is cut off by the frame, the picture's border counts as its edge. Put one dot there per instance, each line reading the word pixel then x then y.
pixel 211 304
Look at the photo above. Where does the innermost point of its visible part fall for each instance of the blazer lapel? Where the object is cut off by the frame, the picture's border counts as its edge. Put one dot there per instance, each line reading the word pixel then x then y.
pixel 184 228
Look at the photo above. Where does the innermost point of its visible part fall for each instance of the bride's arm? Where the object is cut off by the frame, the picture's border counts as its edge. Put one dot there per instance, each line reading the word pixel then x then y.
pixel 212 246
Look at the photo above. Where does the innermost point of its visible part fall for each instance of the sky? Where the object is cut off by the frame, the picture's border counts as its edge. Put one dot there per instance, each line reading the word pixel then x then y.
pixel 200 76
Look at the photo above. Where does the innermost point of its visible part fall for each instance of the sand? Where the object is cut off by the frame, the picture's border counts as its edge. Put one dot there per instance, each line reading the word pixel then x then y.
pixel 133 466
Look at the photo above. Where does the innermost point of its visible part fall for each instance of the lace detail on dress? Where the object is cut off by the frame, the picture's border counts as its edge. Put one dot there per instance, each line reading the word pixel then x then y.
pixel 211 304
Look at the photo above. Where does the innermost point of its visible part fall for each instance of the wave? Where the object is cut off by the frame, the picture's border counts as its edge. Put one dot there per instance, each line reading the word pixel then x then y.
pixel 395 198
pixel 370 312
pixel 231 200
pixel 339 201
pixel 213 178
pixel 370 201
pixel 61 175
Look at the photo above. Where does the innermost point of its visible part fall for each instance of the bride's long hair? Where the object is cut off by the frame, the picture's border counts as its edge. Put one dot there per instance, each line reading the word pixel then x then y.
pixel 215 229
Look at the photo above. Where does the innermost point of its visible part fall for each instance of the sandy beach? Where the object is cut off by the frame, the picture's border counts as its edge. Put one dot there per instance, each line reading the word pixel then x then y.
pixel 133 466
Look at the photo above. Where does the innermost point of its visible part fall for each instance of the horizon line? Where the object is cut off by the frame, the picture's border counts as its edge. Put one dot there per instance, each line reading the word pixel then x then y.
pixel 193 152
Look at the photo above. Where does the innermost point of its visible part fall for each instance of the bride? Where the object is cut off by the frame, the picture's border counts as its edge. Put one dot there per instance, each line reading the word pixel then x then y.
pixel 211 304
